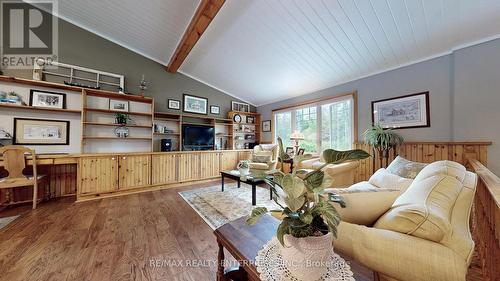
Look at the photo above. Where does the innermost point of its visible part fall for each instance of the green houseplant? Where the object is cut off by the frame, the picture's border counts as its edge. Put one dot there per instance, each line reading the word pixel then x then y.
pixel 244 167
pixel 309 217
pixel 382 141
pixel 122 118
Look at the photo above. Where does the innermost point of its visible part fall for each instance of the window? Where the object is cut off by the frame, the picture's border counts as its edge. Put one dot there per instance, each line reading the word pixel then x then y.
pixel 325 124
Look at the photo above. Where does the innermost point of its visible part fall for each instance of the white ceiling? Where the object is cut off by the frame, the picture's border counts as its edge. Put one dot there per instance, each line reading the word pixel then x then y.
pixel 152 28
pixel 267 50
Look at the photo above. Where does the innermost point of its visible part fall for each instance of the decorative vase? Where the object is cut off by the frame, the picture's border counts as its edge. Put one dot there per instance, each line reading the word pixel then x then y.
pixel 244 171
pixel 307 258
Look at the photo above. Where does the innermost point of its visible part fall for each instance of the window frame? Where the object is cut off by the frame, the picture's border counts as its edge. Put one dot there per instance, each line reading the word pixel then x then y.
pixel 318 103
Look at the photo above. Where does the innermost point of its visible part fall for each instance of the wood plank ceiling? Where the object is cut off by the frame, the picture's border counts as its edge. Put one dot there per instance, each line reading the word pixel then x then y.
pixel 268 50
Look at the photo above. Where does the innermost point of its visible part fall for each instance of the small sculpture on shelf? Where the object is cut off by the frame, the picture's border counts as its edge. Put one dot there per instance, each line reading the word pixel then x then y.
pixel 143 85
pixel 11 97
pixel 38 69
pixel 122 132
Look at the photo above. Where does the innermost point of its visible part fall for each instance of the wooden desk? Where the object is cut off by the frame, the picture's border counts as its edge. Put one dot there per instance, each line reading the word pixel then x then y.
pixel 243 242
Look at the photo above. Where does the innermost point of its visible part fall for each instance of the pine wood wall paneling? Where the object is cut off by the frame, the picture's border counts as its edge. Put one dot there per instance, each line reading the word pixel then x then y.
pixel 426 152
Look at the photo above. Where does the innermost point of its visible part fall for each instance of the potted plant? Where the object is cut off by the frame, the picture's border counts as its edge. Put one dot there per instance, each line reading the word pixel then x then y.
pixel 310 219
pixel 122 118
pixel 244 167
pixel 382 140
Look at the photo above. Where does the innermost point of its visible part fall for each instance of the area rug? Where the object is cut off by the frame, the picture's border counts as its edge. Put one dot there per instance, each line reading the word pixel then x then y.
pixel 5 221
pixel 218 208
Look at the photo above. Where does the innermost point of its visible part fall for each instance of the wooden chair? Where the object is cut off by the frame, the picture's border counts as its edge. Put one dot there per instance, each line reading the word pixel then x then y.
pixel 14 159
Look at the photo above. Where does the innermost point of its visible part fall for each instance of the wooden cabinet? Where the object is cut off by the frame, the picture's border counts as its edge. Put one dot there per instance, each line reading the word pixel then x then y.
pixel 189 167
pixel 210 165
pixel 134 171
pixel 228 160
pixel 98 175
pixel 164 168
pixel 244 155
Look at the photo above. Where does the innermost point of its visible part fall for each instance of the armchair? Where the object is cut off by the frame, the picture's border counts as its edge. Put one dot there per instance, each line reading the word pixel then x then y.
pixel 421 234
pixel 342 174
pixel 264 157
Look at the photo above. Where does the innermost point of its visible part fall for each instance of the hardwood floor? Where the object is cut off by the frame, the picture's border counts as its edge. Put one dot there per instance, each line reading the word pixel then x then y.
pixel 111 239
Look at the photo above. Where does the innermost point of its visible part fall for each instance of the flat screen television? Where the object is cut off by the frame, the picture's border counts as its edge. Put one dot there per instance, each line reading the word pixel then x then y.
pixel 195 137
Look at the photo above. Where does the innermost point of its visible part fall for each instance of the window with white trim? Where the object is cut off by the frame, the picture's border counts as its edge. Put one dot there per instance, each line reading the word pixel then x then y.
pixel 325 124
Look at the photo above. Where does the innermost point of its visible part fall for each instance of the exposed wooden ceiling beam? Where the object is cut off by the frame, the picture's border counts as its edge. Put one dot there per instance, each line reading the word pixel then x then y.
pixel 206 12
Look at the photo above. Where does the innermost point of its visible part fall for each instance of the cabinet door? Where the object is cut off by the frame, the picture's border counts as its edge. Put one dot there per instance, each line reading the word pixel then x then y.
pixel 210 162
pixel 228 160
pixel 135 171
pixel 189 167
pixel 98 175
pixel 164 168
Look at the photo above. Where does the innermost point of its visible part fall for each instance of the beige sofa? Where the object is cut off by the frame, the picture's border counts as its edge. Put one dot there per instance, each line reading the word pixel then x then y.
pixel 265 150
pixel 343 175
pixel 419 231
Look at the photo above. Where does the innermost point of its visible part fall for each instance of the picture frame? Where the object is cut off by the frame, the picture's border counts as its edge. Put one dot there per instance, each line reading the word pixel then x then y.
pixel 118 105
pixel 240 106
pixel 301 151
pixel 403 112
pixel 47 99
pixel 40 132
pixel 174 104
pixel 215 109
pixel 289 150
pixel 250 119
pixel 195 104
pixel 266 126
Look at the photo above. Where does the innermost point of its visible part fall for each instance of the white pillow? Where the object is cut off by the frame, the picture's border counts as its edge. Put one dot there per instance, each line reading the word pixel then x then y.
pixel 384 179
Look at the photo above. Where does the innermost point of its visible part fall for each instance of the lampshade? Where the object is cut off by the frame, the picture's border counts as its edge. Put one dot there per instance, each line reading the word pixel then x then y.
pixel 297 136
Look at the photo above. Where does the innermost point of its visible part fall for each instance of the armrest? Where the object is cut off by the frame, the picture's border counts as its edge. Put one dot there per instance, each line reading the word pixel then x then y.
pixel 365 208
pixel 307 164
pixel 398 255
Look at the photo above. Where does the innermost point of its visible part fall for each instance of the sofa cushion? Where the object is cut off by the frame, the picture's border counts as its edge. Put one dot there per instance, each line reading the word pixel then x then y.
pixel 384 179
pixel 258 166
pixel 405 168
pixel 424 210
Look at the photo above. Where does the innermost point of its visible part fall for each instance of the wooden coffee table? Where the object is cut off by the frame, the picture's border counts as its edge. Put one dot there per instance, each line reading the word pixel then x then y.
pixel 243 242
pixel 235 175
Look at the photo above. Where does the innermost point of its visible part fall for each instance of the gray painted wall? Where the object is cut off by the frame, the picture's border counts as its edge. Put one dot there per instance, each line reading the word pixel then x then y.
pixel 476 114
pixel 432 76
pixel 80 47
pixel 464 97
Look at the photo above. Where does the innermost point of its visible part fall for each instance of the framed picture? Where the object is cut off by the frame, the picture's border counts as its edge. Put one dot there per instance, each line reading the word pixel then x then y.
pixel 240 106
pixel 250 119
pixel 410 111
pixel 47 99
pixel 266 126
pixel 40 132
pixel 289 151
pixel 194 104
pixel 301 151
pixel 214 109
pixel 174 104
pixel 118 105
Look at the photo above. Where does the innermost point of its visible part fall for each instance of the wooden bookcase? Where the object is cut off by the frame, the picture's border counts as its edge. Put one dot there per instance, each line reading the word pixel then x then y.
pixel 244 133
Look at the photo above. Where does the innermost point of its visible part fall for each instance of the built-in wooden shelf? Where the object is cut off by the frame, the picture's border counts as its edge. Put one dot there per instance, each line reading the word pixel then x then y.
pixel 166 134
pixel 26 107
pixel 167 119
pixel 199 124
pixel 117 96
pixel 117 125
pixel 117 111
pixel 114 138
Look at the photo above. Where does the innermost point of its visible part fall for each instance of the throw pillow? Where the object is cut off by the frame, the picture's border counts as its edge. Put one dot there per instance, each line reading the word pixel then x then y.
pixel 405 168
pixel 386 180
pixel 261 157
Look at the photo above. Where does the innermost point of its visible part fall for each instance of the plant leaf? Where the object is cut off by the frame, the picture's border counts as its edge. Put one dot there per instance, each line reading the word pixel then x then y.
pixel 332 156
pixel 256 215
pixel 295 203
pixel 283 229
pixel 337 199
pixel 314 179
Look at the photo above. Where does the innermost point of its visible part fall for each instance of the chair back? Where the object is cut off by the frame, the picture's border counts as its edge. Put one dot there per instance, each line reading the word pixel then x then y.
pixel 14 161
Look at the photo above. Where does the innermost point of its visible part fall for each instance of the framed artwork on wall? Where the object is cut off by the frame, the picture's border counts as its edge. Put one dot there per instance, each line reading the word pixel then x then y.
pixel 47 99
pixel 118 105
pixel 174 104
pixel 409 111
pixel 266 126
pixel 40 132
pixel 250 119
pixel 240 106
pixel 214 109
pixel 194 104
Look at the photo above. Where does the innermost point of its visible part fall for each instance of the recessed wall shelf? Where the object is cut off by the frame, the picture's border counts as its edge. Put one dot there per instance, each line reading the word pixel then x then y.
pixel 26 107
pixel 117 111
pixel 117 125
